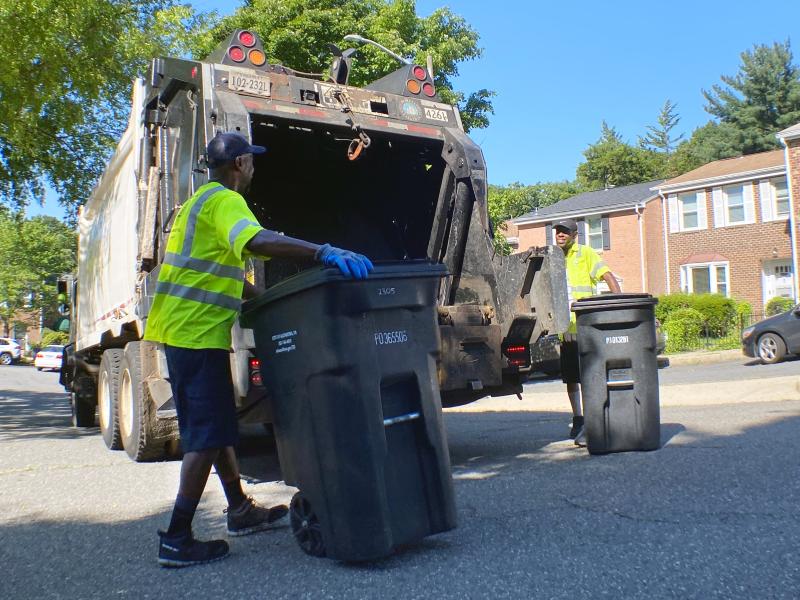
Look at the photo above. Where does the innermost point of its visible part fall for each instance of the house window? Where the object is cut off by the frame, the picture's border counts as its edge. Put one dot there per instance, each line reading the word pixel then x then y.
pixel 688 211
pixel 705 278
pixel 594 232
pixel 780 192
pixel 734 204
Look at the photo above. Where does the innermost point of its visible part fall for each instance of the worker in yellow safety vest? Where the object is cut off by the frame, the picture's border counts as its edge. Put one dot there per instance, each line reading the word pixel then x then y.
pixel 585 269
pixel 197 299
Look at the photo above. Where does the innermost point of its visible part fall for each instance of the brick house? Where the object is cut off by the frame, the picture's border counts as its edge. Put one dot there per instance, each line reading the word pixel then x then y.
pixel 622 223
pixel 728 227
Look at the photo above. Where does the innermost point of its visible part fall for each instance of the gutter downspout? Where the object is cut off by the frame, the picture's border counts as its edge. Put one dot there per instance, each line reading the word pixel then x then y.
pixel 640 217
pixel 792 218
pixel 666 240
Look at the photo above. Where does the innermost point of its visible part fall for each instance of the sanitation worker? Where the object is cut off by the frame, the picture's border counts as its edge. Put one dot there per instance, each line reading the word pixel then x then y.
pixel 585 269
pixel 197 299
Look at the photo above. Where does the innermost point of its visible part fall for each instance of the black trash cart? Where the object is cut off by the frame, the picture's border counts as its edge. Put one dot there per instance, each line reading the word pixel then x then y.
pixel 619 372
pixel 350 367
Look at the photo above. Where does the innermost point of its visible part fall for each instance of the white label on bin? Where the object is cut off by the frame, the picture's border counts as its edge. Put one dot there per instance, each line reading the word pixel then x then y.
pixel 285 341
pixel 617 339
pixel 383 338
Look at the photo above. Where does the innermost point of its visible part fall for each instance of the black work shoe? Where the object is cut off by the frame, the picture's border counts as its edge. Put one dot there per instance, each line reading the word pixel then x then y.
pixel 577 425
pixel 183 550
pixel 250 517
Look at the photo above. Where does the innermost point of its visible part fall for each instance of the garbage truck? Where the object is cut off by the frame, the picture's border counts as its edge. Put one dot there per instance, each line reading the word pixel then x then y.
pixel 385 169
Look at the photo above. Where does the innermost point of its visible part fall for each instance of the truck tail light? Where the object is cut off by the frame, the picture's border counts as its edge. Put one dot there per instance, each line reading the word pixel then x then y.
pixel 255 372
pixel 247 38
pixel 428 89
pixel 419 72
pixel 257 57
pixel 236 53
pixel 518 356
pixel 412 85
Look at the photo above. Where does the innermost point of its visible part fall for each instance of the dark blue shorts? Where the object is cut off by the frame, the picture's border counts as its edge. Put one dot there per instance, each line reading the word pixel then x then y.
pixel 202 388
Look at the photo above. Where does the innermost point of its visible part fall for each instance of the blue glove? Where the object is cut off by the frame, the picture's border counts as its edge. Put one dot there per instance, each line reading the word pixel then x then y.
pixel 349 263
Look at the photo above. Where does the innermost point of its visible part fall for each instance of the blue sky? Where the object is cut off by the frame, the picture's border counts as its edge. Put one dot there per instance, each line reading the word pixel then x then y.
pixel 561 68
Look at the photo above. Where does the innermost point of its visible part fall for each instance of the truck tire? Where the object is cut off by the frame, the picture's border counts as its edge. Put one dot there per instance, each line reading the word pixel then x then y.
pixel 83 399
pixel 137 412
pixel 108 398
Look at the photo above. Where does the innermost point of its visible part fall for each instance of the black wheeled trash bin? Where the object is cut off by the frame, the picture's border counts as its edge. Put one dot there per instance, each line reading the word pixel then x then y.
pixel 350 367
pixel 619 372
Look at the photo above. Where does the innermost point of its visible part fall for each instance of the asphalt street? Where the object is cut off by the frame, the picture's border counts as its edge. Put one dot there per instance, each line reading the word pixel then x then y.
pixel 712 514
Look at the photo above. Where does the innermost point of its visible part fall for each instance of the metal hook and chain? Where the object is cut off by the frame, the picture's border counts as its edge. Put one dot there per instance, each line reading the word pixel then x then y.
pixel 362 141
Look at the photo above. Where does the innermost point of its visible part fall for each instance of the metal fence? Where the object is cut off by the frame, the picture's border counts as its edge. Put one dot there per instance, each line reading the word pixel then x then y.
pixel 715 338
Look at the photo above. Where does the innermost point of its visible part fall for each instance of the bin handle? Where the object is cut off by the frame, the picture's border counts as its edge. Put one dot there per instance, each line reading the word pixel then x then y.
pixel 400 419
pixel 620 383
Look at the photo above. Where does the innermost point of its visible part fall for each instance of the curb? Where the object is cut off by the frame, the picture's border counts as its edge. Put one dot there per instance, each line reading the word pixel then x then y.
pixel 705 357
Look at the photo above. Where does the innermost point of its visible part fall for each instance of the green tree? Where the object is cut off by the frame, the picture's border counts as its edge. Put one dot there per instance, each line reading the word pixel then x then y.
pixel 659 137
pixel 760 100
pixel 712 141
pixel 610 162
pixel 511 201
pixel 65 86
pixel 33 253
pixel 296 33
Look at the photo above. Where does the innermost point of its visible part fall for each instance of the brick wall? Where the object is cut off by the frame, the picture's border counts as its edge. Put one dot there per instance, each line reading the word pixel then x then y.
pixel 531 235
pixel 624 255
pixel 655 268
pixel 744 246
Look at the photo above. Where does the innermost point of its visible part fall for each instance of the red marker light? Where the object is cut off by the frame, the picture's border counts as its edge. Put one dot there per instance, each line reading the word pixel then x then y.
pixel 419 72
pixel 236 53
pixel 247 38
pixel 255 363
pixel 428 89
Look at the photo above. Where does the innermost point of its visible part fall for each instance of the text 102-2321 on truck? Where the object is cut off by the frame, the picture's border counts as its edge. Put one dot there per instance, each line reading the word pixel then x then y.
pixel 385 170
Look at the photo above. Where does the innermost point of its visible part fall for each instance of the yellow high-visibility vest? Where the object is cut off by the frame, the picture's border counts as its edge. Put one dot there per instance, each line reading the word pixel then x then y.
pixel 584 269
pixel 199 289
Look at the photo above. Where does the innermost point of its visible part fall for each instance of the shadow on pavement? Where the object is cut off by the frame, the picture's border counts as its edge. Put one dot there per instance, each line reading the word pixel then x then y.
pixel 38 414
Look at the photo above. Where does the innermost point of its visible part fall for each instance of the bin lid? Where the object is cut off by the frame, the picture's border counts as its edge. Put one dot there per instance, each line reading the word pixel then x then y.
pixel 613 302
pixel 323 275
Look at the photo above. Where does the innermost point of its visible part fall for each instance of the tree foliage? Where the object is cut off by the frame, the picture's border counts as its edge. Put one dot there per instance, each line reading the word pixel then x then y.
pixel 610 162
pixel 297 33
pixel 659 137
pixel 65 86
pixel 761 99
pixel 33 253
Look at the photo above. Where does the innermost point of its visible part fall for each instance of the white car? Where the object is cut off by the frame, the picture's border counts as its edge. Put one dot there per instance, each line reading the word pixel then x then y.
pixel 48 357
pixel 10 351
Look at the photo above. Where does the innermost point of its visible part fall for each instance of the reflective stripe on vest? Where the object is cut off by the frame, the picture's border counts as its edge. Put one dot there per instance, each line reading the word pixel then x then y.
pixel 238 228
pixel 204 266
pixel 198 295
pixel 191 222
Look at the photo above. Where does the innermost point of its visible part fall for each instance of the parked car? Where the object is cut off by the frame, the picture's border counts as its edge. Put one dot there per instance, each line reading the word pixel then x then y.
pixel 10 351
pixel 49 357
pixel 773 338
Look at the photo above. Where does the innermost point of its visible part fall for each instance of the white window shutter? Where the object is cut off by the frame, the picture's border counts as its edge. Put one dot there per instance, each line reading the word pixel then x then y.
pixel 749 204
pixel 674 216
pixel 719 207
pixel 702 210
pixel 765 197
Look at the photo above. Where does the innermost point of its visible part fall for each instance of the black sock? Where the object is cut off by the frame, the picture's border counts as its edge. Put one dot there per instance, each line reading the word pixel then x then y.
pixel 233 492
pixel 182 515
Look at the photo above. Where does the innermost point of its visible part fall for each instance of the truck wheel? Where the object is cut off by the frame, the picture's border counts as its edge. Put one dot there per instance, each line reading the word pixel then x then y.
pixel 771 348
pixel 108 398
pixel 137 419
pixel 305 526
pixel 83 401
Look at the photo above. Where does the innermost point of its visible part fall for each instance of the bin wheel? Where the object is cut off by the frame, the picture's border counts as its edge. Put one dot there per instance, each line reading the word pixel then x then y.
pixel 305 526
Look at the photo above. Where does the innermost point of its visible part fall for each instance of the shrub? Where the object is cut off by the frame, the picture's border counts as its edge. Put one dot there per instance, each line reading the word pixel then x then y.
pixel 54 338
pixel 683 328
pixel 744 314
pixel 778 305
pixel 719 312
pixel 671 302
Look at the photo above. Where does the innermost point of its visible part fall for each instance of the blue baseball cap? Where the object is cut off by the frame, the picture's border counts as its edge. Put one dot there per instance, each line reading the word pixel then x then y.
pixel 227 146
